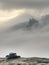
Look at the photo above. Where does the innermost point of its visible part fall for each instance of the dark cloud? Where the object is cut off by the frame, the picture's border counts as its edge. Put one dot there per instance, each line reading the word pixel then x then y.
pixel 26 25
pixel 26 22
pixel 17 4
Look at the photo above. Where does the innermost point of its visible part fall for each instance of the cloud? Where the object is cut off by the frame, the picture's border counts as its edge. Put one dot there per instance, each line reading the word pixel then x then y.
pixel 20 4
pixel 22 22
pixel 20 41
pixel 25 25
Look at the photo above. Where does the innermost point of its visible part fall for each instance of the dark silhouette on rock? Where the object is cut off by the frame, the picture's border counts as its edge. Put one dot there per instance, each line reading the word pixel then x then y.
pixel 12 56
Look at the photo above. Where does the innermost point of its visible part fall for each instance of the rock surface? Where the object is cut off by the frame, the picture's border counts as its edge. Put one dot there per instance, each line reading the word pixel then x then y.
pixel 25 61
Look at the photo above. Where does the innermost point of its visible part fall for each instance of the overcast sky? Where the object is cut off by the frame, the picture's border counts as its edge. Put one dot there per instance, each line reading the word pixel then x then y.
pixel 12 8
pixel 14 4
pixel 14 36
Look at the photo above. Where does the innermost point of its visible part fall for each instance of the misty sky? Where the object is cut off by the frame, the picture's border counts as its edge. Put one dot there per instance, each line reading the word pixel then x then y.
pixel 15 36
